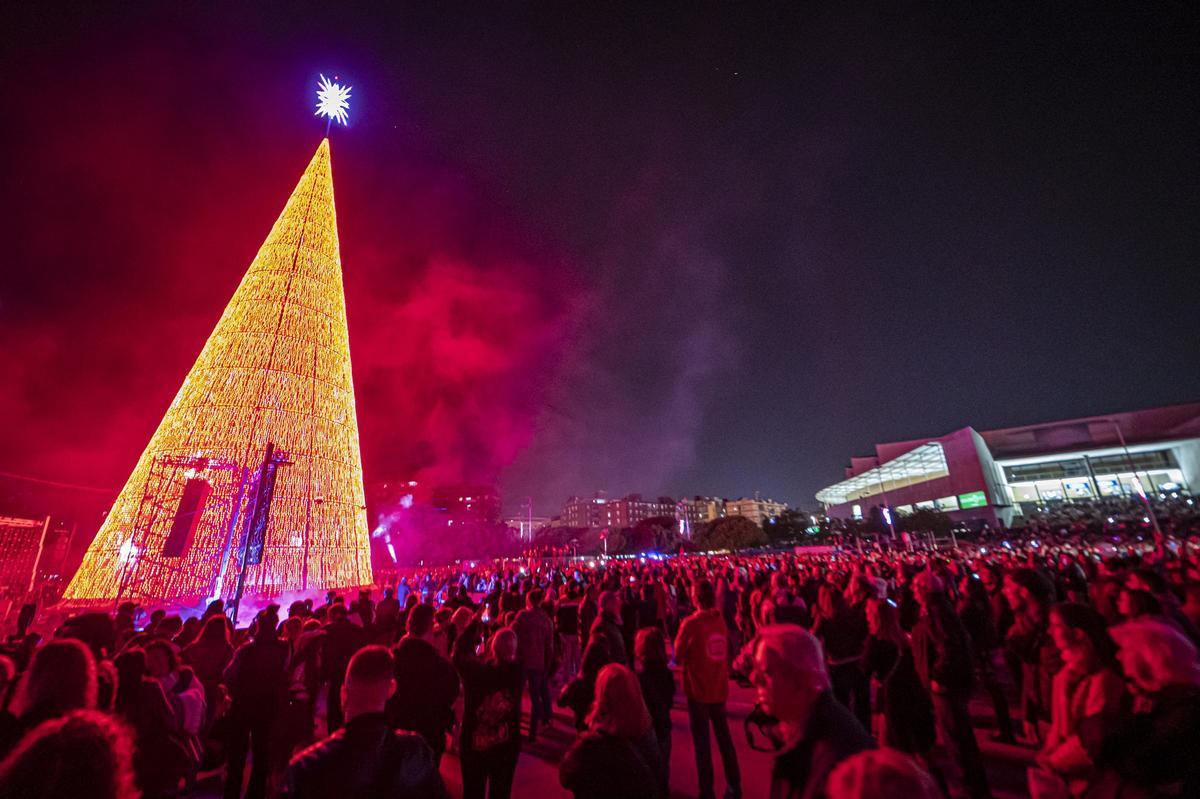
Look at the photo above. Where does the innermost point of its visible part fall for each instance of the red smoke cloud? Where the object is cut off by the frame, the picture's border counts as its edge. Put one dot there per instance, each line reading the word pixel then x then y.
pixel 456 372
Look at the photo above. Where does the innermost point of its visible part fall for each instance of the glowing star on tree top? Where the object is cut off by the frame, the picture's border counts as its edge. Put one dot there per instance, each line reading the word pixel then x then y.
pixel 333 100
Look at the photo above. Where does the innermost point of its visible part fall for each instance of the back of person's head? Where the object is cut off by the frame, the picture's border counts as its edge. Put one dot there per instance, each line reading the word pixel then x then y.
pixel 370 681
pixel 618 708
pixel 1154 655
pixel 609 601
pixel 1148 579
pixel 887 620
pixel 337 613
pixel 161 658
pixel 650 647
pixel 880 772
pixel 1084 619
pixel 862 587
pixel 504 645
pixel 1139 603
pixel 266 623
pixel 974 589
pixel 830 601
pixel 420 620
pixel 596 656
pixel 371 665
pixel 191 628
pixel 84 753
pixel 706 595
pixel 130 664
pixel 926 584
pixel 61 678
pixel 535 597
pixel 292 626
pixel 1040 589
pixel 169 626
pixel 462 617
pixel 216 629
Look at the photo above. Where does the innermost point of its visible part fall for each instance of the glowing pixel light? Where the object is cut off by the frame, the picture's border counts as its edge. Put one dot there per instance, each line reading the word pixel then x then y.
pixel 333 100
pixel 276 369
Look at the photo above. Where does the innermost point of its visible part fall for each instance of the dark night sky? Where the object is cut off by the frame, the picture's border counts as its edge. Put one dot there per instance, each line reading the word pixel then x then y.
pixel 703 249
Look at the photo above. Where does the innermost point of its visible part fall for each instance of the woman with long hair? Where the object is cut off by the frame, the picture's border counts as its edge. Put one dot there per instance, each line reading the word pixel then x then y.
pixel 843 634
pixel 942 657
pixel 1087 690
pixel 975 611
pixel 903 706
pixel 1133 604
pixel 83 753
pixel 577 695
pixel 490 734
pixel 61 678
pixel 658 690
pixel 208 656
pixel 618 754
pixel 161 758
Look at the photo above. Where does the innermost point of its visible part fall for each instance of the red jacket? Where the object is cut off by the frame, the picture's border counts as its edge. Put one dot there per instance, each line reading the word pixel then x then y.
pixel 702 648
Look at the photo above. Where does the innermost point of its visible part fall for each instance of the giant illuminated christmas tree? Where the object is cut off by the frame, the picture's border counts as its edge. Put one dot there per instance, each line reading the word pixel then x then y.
pixel 254 473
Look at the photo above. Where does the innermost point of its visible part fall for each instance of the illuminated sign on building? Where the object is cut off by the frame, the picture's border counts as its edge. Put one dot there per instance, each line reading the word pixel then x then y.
pixel 974 499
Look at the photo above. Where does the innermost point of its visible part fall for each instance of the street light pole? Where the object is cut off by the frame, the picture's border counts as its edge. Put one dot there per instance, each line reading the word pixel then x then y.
pixel 1159 541
pixel 887 511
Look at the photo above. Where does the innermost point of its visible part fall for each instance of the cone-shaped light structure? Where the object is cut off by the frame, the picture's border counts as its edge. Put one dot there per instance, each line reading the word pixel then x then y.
pixel 276 370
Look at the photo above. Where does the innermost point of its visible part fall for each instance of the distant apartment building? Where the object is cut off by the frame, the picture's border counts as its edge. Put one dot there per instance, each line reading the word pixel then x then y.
pixel 583 512
pixel 597 511
pixel 467 504
pixel 701 510
pixel 755 509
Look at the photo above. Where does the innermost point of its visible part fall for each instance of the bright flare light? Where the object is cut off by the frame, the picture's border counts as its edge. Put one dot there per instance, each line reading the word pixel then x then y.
pixel 333 100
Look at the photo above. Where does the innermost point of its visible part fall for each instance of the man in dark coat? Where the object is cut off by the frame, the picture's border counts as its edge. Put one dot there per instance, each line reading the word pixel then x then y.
pixel 942 656
pixel 1030 596
pixel 256 684
pixel 608 626
pixel 816 731
pixel 342 639
pixel 427 684
pixel 366 759
pixel 535 648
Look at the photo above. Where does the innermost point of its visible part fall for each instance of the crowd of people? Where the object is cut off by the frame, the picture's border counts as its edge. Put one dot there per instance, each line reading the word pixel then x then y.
pixel 863 663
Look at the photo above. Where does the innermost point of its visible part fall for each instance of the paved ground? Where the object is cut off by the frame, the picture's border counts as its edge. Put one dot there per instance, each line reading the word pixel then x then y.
pixel 537 770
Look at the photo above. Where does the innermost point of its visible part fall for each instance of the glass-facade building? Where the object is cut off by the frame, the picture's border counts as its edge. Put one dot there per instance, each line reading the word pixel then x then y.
pixel 996 475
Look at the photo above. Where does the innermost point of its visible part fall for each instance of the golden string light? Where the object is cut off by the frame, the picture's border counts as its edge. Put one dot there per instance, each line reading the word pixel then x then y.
pixel 275 369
